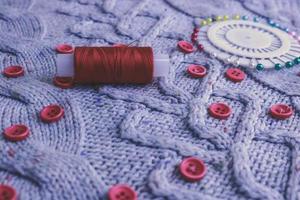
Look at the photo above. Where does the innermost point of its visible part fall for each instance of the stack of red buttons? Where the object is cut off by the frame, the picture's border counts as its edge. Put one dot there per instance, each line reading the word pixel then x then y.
pixel 121 192
pixel 187 47
pixel 194 35
pixel 192 169
pixel 7 193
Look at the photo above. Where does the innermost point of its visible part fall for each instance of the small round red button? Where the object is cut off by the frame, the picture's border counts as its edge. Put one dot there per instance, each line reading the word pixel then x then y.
pixel 121 192
pixel 185 46
pixel 200 47
pixel 196 71
pixel 194 37
pixel 64 48
pixel 63 82
pixel 13 71
pixel 219 110
pixel 7 193
pixel 281 111
pixel 192 169
pixel 51 113
pixel 16 132
pixel 235 74
pixel 196 30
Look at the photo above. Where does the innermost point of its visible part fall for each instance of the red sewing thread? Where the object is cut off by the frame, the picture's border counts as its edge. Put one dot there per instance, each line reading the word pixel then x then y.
pixel 94 65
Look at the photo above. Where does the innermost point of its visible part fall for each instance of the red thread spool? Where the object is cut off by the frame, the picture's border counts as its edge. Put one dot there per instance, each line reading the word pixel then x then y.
pixel 94 65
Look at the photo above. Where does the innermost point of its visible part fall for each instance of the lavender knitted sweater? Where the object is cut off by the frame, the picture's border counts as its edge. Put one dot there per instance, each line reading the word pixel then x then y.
pixel 137 135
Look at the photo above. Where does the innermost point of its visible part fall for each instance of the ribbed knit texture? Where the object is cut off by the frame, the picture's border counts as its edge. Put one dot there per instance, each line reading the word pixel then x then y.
pixel 137 135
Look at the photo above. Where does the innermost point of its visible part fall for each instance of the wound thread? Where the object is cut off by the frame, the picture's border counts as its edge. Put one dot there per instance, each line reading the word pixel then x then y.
pixel 94 65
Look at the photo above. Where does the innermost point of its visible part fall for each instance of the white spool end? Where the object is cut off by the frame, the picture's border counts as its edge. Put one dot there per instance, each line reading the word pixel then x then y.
pixel 161 65
pixel 65 65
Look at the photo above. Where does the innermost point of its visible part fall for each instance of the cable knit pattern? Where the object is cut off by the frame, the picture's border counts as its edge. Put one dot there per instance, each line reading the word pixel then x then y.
pixel 138 135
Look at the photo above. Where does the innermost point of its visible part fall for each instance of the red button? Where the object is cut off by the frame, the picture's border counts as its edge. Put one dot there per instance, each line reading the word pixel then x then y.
pixel 51 113
pixel 281 111
pixel 200 47
pixel 7 193
pixel 121 192
pixel 219 110
pixel 194 37
pixel 235 74
pixel 16 132
pixel 13 71
pixel 196 30
pixel 192 169
pixel 63 82
pixel 197 71
pixel 64 48
pixel 185 46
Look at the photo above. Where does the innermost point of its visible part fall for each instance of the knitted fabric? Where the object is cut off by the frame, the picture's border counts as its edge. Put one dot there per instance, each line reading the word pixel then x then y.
pixel 137 135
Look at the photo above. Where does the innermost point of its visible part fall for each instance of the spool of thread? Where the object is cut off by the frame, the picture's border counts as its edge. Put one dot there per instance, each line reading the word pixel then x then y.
pixel 117 64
